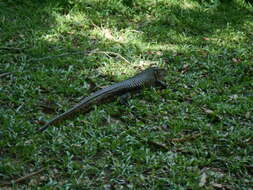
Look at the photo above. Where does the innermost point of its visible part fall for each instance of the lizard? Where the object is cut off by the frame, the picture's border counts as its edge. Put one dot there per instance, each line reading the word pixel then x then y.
pixel 149 77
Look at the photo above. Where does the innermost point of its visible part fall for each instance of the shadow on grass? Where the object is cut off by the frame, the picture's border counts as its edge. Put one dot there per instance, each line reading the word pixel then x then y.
pixel 32 26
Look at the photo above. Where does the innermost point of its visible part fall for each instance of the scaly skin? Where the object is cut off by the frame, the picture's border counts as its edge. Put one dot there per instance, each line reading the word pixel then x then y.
pixel 148 77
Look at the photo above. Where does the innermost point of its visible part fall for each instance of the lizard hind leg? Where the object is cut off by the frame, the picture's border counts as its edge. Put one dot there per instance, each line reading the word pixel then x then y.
pixel 123 99
pixel 161 84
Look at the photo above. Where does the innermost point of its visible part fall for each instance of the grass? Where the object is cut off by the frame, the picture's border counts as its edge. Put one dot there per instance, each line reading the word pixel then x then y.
pixel 196 134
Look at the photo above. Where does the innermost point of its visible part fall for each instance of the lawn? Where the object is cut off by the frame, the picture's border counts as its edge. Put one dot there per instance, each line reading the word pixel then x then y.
pixel 195 134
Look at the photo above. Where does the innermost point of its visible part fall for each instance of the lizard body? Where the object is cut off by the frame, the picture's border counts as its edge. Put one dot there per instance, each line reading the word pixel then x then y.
pixel 148 77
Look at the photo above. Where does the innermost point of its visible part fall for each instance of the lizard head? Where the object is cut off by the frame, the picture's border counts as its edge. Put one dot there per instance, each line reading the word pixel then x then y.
pixel 159 73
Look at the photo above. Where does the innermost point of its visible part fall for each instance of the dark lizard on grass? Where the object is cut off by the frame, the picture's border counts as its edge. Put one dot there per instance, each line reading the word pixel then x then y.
pixel 149 77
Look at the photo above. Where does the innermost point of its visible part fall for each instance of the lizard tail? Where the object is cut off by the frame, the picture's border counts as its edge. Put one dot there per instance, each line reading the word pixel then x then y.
pixel 43 128
pixel 62 116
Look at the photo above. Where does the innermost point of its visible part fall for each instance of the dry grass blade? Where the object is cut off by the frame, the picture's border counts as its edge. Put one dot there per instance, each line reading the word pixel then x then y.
pixel 12 49
pixel 156 144
pixel 21 179
pixel 4 74
pixel 110 53
pixel 186 138
pixel 107 53
pixel 60 55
